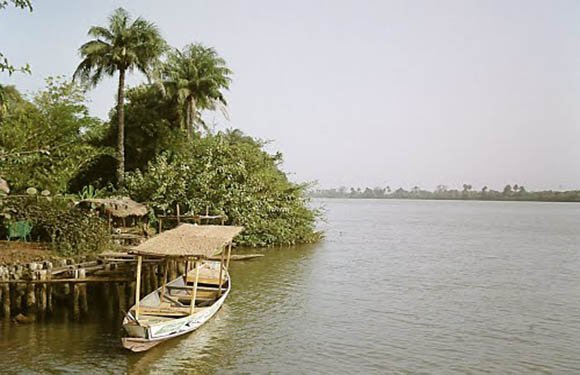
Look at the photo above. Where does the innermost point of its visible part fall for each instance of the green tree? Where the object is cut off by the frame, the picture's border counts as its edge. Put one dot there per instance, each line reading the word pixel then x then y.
pixel 230 174
pixel 507 190
pixel 152 124
pixel 197 77
pixel 45 142
pixel 123 46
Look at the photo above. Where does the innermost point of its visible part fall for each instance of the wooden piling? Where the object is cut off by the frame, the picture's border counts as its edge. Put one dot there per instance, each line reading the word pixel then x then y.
pixel 122 297
pixel 6 293
pixel 83 295
pixel 76 297
pixel 19 290
pixel 49 288
pixel 131 293
pixel 107 297
pixel 42 289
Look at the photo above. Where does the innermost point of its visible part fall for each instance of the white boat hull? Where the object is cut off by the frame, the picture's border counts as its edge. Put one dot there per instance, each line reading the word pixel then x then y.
pixel 143 337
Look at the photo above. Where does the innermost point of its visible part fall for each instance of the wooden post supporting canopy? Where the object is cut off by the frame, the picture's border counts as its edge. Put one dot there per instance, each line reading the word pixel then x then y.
pixel 229 255
pixel 194 292
pixel 221 272
pixel 138 286
pixel 164 281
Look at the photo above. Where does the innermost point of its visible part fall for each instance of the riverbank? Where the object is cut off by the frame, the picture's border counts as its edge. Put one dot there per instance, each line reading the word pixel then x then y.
pixel 565 197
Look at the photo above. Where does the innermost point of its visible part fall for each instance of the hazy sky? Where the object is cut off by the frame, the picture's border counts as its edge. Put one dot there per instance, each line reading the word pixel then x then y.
pixel 358 93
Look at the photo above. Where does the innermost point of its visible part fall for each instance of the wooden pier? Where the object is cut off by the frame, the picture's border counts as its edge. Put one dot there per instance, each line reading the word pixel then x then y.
pixel 33 291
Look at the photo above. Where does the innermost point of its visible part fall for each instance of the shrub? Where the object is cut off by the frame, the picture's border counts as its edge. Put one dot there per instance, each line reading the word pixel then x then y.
pixel 231 174
pixel 70 231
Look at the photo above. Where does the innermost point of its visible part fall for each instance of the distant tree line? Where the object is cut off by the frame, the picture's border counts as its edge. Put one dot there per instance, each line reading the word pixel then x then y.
pixel 509 193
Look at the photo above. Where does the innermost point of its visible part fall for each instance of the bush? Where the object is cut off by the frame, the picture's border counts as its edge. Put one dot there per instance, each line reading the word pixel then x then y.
pixel 230 174
pixel 45 142
pixel 70 231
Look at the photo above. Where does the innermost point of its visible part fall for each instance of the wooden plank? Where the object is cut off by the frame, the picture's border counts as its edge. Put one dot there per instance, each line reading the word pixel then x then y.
pixel 205 280
pixel 200 296
pixel 194 294
pixel 138 287
pixel 178 287
pixel 172 299
pixel 163 312
pixel 229 255
pixel 220 279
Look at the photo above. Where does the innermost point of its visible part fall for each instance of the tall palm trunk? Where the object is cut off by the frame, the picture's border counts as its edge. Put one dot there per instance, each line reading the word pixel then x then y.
pixel 190 116
pixel 121 130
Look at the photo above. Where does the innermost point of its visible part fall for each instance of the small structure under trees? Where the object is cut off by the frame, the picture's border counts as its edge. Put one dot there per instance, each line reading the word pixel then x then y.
pixel 121 212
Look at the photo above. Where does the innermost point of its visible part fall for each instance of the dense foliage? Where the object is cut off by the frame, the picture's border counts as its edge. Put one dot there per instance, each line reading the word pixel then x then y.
pixel 163 147
pixel 69 230
pixel 230 173
pixel 45 142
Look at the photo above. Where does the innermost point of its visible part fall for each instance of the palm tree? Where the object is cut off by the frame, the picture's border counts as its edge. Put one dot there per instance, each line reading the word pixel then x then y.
pixel 196 76
pixel 123 46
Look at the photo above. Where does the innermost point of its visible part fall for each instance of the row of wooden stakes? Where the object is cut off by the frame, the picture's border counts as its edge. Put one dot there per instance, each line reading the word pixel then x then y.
pixel 33 291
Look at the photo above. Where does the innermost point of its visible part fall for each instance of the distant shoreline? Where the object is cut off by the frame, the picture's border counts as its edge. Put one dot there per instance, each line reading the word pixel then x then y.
pixel 509 194
pixel 449 199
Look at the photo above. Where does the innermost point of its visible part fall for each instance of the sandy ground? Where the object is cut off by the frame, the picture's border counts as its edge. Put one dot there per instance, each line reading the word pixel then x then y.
pixel 23 252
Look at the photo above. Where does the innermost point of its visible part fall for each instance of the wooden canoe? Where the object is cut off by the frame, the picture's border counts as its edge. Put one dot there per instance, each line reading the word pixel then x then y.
pixel 163 318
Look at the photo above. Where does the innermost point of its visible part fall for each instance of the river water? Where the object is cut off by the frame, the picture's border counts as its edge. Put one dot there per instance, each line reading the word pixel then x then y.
pixel 397 286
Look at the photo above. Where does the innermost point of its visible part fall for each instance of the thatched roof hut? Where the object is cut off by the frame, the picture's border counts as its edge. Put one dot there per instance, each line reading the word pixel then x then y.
pixel 117 207
pixel 191 240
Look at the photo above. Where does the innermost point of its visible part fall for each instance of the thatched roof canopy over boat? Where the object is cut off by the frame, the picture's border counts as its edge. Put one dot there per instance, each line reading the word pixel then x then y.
pixel 118 207
pixel 188 240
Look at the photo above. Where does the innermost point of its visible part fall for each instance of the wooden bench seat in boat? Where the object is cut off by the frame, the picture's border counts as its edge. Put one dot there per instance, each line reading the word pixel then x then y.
pixel 201 295
pixel 190 279
pixel 164 311
pixel 152 315
pixel 190 288
pixel 207 275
